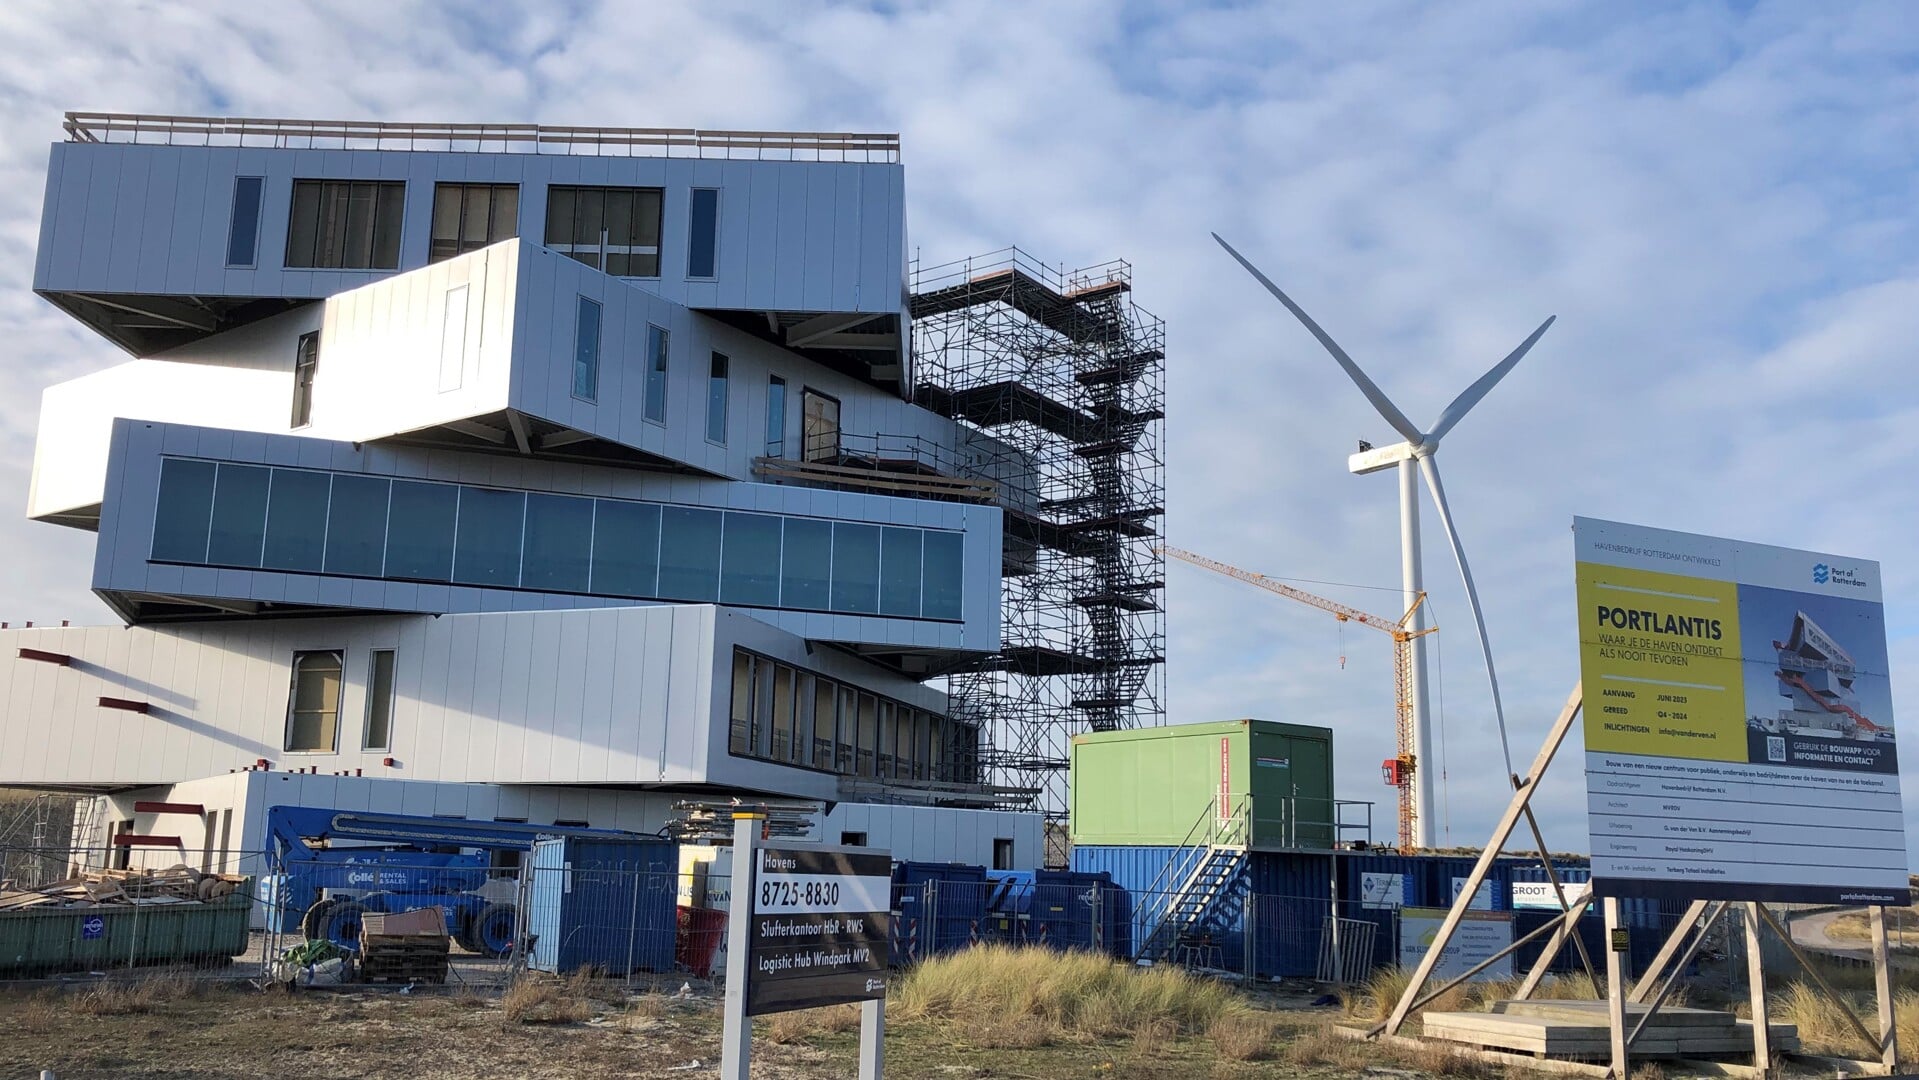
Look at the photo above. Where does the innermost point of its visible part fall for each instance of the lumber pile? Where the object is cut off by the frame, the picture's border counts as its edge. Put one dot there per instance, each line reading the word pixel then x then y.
pixel 178 884
pixel 1577 1029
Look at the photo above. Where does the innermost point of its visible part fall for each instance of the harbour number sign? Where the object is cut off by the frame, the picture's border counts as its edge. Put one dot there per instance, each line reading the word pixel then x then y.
pixel 1738 720
pixel 819 928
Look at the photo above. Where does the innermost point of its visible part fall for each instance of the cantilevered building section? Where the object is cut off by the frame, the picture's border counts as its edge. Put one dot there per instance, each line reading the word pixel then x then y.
pixel 1063 373
pixel 594 466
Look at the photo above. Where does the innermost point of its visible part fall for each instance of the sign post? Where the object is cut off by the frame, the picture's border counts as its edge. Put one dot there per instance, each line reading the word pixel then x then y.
pixel 808 928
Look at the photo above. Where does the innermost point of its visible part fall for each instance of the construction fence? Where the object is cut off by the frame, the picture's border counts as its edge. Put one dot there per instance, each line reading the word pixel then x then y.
pixel 249 914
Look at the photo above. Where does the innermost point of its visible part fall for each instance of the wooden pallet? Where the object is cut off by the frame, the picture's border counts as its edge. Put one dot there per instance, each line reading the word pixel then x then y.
pixel 403 958
pixel 1578 1030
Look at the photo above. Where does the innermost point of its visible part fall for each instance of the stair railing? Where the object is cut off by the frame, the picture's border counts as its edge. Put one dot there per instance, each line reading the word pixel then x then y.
pixel 1177 878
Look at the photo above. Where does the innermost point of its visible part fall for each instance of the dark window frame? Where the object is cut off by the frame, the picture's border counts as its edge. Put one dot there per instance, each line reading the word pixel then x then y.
pixel 812 449
pixel 306 365
pixel 756 728
pixel 293 699
pixel 333 207
pixel 441 248
pixel 373 697
pixel 250 231
pixel 586 368
pixel 599 255
pixel 719 396
pixel 659 368
pixel 692 237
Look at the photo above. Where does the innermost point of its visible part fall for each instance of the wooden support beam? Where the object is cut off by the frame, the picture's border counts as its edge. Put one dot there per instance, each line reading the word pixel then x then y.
pixel 1650 977
pixel 1756 989
pixel 1672 977
pixel 1616 992
pixel 46 657
pixel 1559 891
pixel 1824 986
pixel 1882 979
pixel 1566 925
pixel 1522 795
pixel 1570 915
pixel 124 704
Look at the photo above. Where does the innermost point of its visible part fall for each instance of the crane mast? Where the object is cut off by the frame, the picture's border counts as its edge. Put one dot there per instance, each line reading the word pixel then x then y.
pixel 1398 769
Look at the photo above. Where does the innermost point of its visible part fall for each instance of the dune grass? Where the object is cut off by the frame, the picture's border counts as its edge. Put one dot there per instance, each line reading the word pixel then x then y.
pixel 1022 998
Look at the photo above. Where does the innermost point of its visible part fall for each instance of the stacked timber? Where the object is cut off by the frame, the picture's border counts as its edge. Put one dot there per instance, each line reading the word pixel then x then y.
pixel 179 884
pixel 1578 1029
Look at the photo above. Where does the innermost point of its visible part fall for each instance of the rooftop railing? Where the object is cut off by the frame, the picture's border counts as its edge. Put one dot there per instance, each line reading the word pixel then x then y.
pixel 157 130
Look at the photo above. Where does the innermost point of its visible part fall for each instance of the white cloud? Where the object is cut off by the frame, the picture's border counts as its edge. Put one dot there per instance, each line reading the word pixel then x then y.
pixel 1716 204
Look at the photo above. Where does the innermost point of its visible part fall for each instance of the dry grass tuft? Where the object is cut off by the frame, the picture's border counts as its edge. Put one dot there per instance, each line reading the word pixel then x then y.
pixel 123 998
pixel 1243 1036
pixel 799 1025
pixel 1010 997
pixel 646 1007
pixel 534 1000
pixel 1321 1047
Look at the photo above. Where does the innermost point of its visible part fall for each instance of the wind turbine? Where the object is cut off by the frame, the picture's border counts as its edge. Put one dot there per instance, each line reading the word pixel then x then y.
pixel 1416 456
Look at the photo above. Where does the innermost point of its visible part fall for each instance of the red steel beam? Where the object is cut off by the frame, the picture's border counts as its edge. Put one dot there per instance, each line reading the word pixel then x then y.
pixel 46 657
pixel 123 703
pixel 193 808
pixel 127 839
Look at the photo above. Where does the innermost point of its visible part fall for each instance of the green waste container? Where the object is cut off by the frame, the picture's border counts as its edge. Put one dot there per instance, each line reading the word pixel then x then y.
pixel 45 940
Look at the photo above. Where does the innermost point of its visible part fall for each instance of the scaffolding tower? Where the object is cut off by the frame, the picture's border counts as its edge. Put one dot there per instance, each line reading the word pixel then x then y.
pixel 1056 378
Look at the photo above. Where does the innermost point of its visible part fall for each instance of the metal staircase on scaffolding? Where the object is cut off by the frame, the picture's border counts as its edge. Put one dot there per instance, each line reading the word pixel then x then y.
pixel 1189 899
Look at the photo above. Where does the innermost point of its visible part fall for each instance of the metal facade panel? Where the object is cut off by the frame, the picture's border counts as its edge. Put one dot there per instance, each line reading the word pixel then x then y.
pixel 119 191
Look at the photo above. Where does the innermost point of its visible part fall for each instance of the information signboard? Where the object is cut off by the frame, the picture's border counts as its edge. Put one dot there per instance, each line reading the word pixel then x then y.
pixel 1479 935
pixel 818 929
pixel 1738 720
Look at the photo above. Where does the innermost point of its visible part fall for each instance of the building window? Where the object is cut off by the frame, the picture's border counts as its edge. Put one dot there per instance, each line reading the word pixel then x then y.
pixel 776 418
pixel 453 339
pixel 243 228
pixel 785 714
pixel 345 225
pixel 379 702
pixel 852 839
pixel 716 401
pixel 615 229
pixel 468 217
pixel 1002 853
pixel 820 426
pixel 350 524
pixel 306 364
pixel 656 345
pixel 182 514
pixel 703 233
pixel 313 706
pixel 586 351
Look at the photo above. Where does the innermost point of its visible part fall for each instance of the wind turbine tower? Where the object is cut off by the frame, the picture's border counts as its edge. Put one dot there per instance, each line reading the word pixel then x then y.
pixel 1415 459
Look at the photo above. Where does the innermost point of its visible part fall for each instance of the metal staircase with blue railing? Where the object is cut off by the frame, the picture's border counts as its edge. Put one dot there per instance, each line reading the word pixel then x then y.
pixel 1191 895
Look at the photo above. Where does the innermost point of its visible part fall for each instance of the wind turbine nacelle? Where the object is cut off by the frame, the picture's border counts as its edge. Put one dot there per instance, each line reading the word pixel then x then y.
pixel 1380 457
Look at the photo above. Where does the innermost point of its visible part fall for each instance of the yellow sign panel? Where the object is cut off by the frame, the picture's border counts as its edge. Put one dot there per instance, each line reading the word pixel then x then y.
pixel 1661 659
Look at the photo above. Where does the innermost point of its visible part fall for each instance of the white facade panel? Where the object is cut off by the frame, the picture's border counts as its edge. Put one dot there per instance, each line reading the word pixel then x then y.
pixel 101 199
pixel 616 696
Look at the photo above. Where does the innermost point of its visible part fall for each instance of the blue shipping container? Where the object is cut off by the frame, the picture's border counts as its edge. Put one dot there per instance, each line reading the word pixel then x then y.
pixel 607 904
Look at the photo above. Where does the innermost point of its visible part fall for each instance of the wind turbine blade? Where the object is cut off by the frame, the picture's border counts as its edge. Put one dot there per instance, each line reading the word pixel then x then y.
pixel 1465 401
pixel 1366 386
pixel 1430 469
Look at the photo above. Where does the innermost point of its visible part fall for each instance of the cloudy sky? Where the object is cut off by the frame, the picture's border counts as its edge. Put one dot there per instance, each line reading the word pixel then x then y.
pixel 1716 199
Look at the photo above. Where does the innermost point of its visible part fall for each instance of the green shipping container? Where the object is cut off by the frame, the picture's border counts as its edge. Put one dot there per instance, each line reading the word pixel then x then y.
pixel 38 941
pixel 1167 785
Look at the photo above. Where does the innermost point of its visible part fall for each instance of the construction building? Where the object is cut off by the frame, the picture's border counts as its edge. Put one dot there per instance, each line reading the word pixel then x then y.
pixel 586 469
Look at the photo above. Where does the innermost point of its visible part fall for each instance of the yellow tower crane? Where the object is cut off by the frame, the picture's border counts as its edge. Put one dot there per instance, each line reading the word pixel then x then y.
pixel 1397 770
